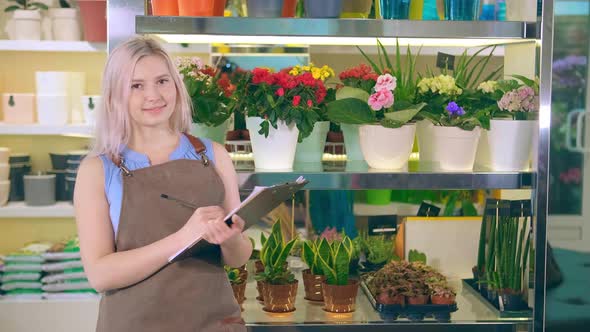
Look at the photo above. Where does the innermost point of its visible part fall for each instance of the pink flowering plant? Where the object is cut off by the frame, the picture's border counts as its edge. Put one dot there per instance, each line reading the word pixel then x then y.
pixel 391 100
pixel 511 99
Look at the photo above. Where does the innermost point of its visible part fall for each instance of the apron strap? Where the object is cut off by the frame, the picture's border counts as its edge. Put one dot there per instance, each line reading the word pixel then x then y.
pixel 199 148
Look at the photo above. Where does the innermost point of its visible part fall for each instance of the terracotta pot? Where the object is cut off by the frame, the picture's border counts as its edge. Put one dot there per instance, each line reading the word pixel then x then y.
pixel 280 298
pixel 340 298
pixel 94 19
pixel 195 7
pixel 243 273
pixel 418 300
pixel 335 137
pixel 384 298
pixel 260 289
pixel 239 293
pixel 218 7
pixel 437 299
pixel 232 135
pixel 289 7
pixel 245 133
pixel 164 8
pixel 313 286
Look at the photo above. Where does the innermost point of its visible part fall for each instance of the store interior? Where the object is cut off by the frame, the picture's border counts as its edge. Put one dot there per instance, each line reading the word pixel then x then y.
pixel 418 218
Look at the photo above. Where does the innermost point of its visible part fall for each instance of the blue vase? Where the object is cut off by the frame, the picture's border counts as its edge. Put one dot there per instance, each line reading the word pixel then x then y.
pixel 395 9
pixel 323 8
pixel 461 10
pixel 265 8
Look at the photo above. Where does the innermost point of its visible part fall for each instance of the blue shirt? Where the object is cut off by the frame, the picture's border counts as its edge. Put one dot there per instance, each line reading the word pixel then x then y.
pixel 113 180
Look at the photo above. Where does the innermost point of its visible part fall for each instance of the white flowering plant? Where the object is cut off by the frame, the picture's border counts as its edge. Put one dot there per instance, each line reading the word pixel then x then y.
pixel 450 105
pixel 210 91
pixel 516 99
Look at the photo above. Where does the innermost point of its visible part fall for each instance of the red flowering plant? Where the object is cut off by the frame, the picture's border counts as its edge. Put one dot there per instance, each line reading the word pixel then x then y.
pixel 210 91
pixel 360 77
pixel 282 96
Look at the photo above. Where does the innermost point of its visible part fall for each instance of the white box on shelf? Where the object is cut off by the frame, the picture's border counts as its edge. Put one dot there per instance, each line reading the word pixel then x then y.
pixel 52 82
pixel 76 89
pixel 91 104
pixel 53 109
pixel 18 108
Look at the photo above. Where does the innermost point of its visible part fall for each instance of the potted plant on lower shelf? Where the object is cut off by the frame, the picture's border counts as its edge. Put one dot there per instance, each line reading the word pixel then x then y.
pixel 210 92
pixel 386 115
pixel 279 285
pixel 314 276
pixel 442 294
pixel 339 290
pixel 237 280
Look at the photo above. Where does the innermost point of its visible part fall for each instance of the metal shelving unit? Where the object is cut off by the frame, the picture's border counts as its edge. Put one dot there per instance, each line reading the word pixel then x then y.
pixel 203 30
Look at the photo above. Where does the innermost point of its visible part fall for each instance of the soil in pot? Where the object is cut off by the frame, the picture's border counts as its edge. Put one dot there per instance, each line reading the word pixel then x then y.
pixel 280 298
pixel 340 298
pixel 313 286
pixel 417 300
pixel 437 299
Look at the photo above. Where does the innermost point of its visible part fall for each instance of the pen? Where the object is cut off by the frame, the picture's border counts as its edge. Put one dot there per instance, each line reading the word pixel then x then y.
pixel 190 205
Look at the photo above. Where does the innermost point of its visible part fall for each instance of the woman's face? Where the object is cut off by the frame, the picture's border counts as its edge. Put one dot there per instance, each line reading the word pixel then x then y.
pixel 153 93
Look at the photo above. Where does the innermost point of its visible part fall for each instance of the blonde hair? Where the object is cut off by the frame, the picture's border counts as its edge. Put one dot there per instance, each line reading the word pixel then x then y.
pixel 113 127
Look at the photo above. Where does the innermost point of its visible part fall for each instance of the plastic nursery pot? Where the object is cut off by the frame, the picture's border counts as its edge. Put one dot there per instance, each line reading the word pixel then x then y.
pixel 289 7
pixel 280 298
pixel 94 19
pixel 340 298
pixel 437 299
pixel 385 298
pixel 195 7
pixel 260 289
pixel 417 300
pixel 513 301
pixel 312 284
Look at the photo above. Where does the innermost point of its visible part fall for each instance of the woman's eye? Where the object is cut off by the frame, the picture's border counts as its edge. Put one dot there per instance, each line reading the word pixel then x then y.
pixel 136 86
pixel 163 81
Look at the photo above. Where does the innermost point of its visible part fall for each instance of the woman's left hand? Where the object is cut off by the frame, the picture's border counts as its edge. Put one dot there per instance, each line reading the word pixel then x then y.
pixel 217 232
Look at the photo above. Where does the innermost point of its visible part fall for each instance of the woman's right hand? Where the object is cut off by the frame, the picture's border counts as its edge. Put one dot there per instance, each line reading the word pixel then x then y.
pixel 208 223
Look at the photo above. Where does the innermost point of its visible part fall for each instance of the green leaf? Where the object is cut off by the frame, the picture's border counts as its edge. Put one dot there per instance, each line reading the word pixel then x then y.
pixel 392 124
pixel 387 61
pixel 349 92
pixel 350 111
pixel 329 272
pixel 375 67
pixel 341 264
pixel 468 208
pixel 11 8
pixel 308 254
pixel 450 206
pixel 39 5
pixel 263 239
pixel 416 256
pixel 282 257
pixel 64 4
pixel 406 115
pixel 525 80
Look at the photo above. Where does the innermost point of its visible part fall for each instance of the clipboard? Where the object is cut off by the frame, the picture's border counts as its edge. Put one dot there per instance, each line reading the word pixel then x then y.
pixel 262 201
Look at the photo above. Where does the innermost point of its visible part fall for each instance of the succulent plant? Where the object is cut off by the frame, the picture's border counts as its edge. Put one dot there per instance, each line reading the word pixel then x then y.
pixel 233 275
pixel 334 260
pixel 273 255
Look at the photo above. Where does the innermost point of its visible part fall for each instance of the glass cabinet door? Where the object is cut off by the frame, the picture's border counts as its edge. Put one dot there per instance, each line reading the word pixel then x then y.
pixel 569 183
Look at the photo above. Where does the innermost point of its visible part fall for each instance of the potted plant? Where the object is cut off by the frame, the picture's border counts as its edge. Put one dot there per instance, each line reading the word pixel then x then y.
pixel 378 251
pixel 417 292
pixel 311 149
pixel 259 268
pixel 389 284
pixel 442 294
pixel 279 285
pixel 386 115
pixel 314 276
pixel 457 128
pixel 237 280
pixel 280 112
pixel 25 23
pixel 338 289
pixel 513 105
pixel 210 92
pixel 64 22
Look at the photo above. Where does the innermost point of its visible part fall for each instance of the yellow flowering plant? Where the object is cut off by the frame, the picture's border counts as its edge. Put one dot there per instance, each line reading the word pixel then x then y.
pixel 318 73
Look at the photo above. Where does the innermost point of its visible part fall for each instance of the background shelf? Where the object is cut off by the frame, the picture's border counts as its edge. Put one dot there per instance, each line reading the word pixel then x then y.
pixel 51 46
pixel 20 210
pixel 38 129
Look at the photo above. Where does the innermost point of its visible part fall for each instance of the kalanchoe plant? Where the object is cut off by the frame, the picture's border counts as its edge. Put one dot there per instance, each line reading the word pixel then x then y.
pixel 210 91
pixel 359 77
pixel 25 5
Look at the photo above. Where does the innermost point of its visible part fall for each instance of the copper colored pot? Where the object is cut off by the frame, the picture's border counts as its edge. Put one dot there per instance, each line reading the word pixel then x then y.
pixel 384 298
pixel 280 298
pixel 442 300
pixel 243 273
pixel 239 293
pixel 418 300
pixel 259 266
pixel 340 298
pixel 313 286
pixel 260 289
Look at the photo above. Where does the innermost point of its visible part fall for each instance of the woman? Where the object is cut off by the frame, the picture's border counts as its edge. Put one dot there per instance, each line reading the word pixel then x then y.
pixel 127 229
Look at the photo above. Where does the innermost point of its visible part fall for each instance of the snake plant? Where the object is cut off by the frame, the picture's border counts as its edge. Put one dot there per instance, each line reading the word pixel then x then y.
pixel 334 259
pixel 273 255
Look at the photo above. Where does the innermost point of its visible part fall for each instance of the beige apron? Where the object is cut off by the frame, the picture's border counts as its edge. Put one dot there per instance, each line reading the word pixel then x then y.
pixel 190 295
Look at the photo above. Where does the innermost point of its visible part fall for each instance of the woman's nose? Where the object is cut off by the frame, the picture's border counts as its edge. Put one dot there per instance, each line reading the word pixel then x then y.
pixel 151 92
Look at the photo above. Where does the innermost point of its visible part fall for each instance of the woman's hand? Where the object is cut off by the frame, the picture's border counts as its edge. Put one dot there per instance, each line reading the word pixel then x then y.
pixel 209 223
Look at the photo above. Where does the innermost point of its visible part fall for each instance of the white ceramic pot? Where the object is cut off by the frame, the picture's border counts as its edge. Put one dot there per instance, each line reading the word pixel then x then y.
pixel 387 148
pixel 53 110
pixel 455 147
pixel 4 191
pixel 216 134
pixel 4 171
pixel 52 82
pixel 277 151
pixel 18 108
pixel 76 89
pixel 425 141
pixel 4 155
pixel 65 24
pixel 507 146
pixel 311 149
pixel 91 104
pixel 24 25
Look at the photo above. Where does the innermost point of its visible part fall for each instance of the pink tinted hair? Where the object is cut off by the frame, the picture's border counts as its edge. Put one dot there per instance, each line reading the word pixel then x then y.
pixel 113 127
